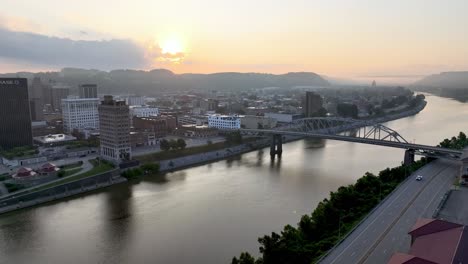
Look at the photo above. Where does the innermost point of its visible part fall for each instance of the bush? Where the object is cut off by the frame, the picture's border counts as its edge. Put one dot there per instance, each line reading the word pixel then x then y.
pixel 132 173
pixel 61 173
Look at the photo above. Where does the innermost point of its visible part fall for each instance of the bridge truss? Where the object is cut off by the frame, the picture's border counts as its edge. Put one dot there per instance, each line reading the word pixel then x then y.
pixel 359 131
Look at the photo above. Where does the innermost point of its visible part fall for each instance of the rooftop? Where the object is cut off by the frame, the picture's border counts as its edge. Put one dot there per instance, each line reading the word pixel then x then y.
pixel 54 138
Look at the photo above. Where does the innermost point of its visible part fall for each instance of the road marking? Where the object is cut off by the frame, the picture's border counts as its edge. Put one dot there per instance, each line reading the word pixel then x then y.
pixel 385 251
pixel 377 217
pixel 364 258
pixel 354 252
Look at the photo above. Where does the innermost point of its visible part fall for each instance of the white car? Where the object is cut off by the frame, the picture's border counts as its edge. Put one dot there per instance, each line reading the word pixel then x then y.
pixel 419 177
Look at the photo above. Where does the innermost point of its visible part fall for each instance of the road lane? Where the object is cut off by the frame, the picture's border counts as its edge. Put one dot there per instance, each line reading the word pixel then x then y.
pixel 357 245
pixel 423 206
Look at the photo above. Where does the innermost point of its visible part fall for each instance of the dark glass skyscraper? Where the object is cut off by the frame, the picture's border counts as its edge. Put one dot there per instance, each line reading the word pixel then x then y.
pixel 88 91
pixel 15 116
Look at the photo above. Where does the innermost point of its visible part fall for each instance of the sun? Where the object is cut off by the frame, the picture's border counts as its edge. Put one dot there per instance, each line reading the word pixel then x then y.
pixel 172 46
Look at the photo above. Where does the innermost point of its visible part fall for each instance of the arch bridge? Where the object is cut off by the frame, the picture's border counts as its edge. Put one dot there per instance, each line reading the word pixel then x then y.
pixel 351 130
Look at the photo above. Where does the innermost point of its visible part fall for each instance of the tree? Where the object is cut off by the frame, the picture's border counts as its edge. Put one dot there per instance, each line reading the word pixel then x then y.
pixel 164 144
pixel 244 258
pixel 347 110
pixel 150 168
pixel 181 143
pixel 173 144
pixel 61 173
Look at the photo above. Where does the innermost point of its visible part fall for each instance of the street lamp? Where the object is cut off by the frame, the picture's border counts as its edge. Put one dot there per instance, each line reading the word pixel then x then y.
pixel 380 190
pixel 339 227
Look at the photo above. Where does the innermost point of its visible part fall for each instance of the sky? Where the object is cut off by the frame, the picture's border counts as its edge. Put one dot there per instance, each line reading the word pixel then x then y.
pixel 348 38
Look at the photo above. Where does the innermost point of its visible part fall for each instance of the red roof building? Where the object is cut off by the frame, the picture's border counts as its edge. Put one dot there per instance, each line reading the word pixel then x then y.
pixel 435 241
pixel 24 172
pixel 48 168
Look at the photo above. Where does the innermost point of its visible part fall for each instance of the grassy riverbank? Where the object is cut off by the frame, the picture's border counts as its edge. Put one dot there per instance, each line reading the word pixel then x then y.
pixel 98 168
pixel 178 153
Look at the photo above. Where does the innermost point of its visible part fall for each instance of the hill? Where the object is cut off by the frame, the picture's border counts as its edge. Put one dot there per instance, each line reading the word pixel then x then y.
pixel 162 80
pixel 447 84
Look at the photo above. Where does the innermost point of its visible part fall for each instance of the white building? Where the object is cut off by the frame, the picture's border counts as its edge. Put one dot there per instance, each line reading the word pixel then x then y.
pixel 143 111
pixel 283 118
pixel 80 113
pixel 258 122
pixel 224 121
pixel 135 100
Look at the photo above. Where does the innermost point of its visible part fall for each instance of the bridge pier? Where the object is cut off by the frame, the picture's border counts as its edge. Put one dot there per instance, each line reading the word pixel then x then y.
pixel 276 147
pixel 409 157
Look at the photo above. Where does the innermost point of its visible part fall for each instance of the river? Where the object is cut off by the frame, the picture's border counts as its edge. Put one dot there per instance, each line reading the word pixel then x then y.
pixel 210 213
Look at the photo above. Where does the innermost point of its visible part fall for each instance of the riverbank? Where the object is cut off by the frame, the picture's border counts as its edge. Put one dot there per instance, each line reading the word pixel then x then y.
pixel 175 164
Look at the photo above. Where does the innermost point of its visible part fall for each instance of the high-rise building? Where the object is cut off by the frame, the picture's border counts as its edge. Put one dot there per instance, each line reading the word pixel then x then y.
pixel 88 91
pixel 15 116
pixel 36 102
pixel 313 103
pixel 209 105
pixel 114 126
pixel 80 113
pixel 135 100
pixel 36 108
pixel 57 93
pixel 36 89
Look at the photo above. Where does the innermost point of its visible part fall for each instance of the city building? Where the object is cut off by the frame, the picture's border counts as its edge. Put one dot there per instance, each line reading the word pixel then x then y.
pixel 143 111
pixel 135 100
pixel 313 103
pixel 36 89
pixel 57 93
pixel 258 122
pixel 224 121
pixel 80 113
pixel 15 115
pixel 88 91
pixel 283 117
pixel 142 138
pixel 160 125
pixel 114 126
pixel 36 103
pixel 196 131
pixel 36 107
pixel 48 169
pixel 198 120
pixel 24 173
pixel 435 241
pixel 209 105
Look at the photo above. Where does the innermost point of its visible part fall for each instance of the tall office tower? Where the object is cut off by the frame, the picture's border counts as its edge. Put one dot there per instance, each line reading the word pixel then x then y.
pixel 313 103
pixel 36 103
pixel 114 126
pixel 80 113
pixel 57 93
pixel 46 93
pixel 36 88
pixel 36 108
pixel 88 91
pixel 15 116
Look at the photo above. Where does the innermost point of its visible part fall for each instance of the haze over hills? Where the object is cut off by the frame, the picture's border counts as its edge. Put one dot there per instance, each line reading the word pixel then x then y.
pixel 447 84
pixel 445 80
pixel 159 80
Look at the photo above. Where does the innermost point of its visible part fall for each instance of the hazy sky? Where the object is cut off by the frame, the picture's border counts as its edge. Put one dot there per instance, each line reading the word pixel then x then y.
pixel 349 38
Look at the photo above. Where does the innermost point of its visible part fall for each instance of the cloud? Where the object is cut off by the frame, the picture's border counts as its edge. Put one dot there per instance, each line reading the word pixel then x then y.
pixel 49 51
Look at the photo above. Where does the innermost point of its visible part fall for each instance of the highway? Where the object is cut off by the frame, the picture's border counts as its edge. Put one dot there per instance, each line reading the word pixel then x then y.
pixel 385 231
